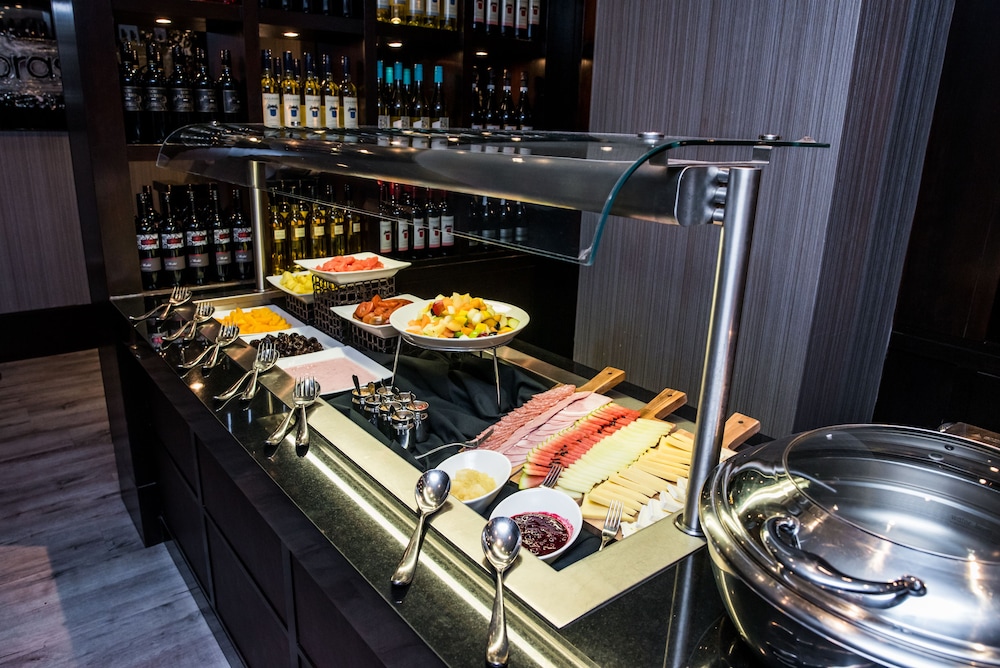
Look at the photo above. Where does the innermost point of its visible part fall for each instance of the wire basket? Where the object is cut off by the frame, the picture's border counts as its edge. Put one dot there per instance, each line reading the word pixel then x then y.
pixel 326 295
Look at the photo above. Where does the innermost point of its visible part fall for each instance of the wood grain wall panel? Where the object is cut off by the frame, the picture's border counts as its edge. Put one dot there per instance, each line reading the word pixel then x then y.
pixel 726 68
pixel 41 248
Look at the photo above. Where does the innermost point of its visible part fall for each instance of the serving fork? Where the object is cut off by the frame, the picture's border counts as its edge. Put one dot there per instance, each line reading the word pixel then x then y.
pixel 227 334
pixel 267 355
pixel 611 523
pixel 304 393
pixel 178 296
pixel 188 330
pixel 552 476
pixel 471 444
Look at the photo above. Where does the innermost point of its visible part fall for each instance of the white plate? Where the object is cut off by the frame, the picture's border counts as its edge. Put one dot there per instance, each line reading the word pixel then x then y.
pixel 307 331
pixel 333 368
pixel 386 331
pixel 291 320
pixel 546 500
pixel 402 316
pixel 389 268
pixel 307 297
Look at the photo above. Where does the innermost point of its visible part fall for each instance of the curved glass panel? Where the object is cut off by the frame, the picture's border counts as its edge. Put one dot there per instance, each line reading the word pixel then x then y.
pixel 623 175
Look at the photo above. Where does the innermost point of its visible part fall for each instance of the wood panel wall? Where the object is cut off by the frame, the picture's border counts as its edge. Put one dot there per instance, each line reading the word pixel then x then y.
pixel 41 249
pixel 832 224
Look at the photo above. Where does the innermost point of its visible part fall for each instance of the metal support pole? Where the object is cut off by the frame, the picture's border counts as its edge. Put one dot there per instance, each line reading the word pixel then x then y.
pixel 258 218
pixel 723 332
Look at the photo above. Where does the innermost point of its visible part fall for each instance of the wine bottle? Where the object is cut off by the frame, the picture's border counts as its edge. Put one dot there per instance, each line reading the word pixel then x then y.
pixel 491 111
pixel 319 224
pixel 418 228
pixel 505 221
pixel 338 230
pixel 220 236
pixel 476 108
pixel 433 215
pixel 131 84
pixel 524 117
pixel 447 226
pixel 438 107
pixel 349 112
pixel 479 15
pixel 196 240
pixel 230 100
pixel 312 97
pixel 432 14
pixel 353 224
pixel 330 93
pixel 473 225
pixel 416 14
pixel 154 123
pixel 449 14
pixel 401 226
pixel 242 236
pixel 291 98
pixel 490 220
pixel 385 226
pixel 279 238
pixel 382 11
pixel 181 103
pixel 493 17
pixel 171 243
pixel 534 19
pixel 147 237
pixel 298 227
pixel 399 109
pixel 385 112
pixel 269 91
pixel 419 109
pixel 206 104
pixel 398 12
pixel 522 10
pixel 507 18
pixel 507 112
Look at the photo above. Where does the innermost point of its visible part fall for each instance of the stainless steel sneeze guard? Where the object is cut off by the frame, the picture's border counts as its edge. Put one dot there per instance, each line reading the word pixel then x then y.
pixel 621 175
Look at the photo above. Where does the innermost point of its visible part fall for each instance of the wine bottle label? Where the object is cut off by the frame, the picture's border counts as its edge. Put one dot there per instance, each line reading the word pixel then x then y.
pixel 402 237
pixel 175 263
pixel 384 236
pixel 492 12
pixel 521 17
pixel 197 259
pixel 434 232
pixel 242 235
pixel 221 236
pixel 506 234
pixel 356 227
pixel 447 231
pixel 383 122
pixel 132 98
pixel 440 123
pixel 223 257
pixel 314 111
pixel 156 99
pixel 180 100
pixel 416 7
pixel 350 112
pixel 419 234
pixel 534 12
pixel 508 14
pixel 479 12
pixel 279 234
pixel 242 256
pixel 319 231
pixel 172 240
pixel 402 123
pixel 299 232
pixel 150 264
pixel 272 109
pixel 332 108
pixel 205 101
pixel 148 242
pixel 197 237
pixel 450 10
pixel 231 102
pixel 291 116
pixel 338 230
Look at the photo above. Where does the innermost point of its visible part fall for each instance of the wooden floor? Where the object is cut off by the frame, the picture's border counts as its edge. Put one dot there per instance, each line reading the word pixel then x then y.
pixel 77 588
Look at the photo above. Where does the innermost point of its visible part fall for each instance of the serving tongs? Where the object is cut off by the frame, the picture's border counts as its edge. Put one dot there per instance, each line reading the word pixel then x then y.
pixel 178 296
pixel 267 356
pixel 304 394
pixel 227 334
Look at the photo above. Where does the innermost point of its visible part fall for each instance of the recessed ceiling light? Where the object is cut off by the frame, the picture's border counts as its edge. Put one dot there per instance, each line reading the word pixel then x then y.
pixel 482 54
pixel 395 44
pixel 290 33
pixel 164 20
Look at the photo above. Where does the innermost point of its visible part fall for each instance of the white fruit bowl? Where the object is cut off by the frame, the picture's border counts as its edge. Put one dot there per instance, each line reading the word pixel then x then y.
pixel 493 464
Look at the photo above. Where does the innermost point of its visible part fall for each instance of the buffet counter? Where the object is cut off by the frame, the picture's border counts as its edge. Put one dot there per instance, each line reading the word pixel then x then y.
pixel 294 550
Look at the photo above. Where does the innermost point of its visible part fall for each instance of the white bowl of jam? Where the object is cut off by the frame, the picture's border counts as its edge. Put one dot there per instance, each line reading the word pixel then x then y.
pixel 549 520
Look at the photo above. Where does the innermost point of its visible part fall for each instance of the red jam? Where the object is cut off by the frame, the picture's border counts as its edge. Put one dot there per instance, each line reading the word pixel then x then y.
pixel 542 533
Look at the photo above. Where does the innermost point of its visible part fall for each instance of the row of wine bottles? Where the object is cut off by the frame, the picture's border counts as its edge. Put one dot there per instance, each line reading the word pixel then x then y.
pixel 402 99
pixel 344 8
pixel 494 109
pixel 314 227
pixel 442 14
pixel 155 102
pixel 518 19
pixel 293 94
pixel 190 240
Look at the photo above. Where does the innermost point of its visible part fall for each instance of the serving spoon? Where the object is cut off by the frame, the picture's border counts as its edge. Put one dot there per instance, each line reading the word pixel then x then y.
pixel 431 493
pixel 501 543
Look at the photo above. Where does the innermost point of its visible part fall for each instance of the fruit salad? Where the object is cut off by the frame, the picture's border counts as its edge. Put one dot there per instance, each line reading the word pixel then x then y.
pixel 460 317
